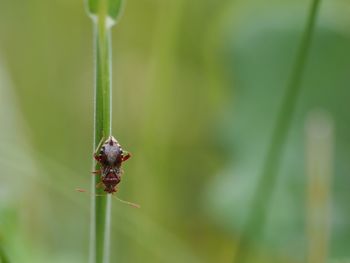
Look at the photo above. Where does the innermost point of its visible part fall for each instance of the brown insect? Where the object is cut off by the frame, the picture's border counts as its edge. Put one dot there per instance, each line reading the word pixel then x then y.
pixel 110 156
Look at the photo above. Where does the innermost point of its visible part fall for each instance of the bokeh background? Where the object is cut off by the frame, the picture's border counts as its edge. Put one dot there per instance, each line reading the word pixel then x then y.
pixel 197 86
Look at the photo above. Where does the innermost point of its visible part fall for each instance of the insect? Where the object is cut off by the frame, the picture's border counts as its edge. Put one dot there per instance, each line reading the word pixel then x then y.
pixel 110 156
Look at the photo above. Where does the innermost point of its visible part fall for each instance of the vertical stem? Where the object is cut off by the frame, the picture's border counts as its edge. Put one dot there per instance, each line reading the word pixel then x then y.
pixel 100 225
pixel 262 198
pixel 319 170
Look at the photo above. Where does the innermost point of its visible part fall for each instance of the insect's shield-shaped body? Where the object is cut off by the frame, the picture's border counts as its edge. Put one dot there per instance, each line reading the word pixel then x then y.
pixel 111 153
pixel 114 153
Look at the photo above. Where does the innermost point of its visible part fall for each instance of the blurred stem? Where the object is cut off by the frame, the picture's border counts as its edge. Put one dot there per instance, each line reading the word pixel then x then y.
pixel 3 257
pixel 100 223
pixel 319 170
pixel 262 198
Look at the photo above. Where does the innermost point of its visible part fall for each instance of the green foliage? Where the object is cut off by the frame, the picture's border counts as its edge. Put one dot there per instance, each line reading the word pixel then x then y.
pixel 269 174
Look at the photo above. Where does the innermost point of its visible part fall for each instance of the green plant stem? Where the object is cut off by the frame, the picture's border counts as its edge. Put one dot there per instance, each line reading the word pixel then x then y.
pixel 3 257
pixel 100 227
pixel 262 198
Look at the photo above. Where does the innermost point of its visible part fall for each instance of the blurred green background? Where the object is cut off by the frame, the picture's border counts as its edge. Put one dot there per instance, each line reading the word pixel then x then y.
pixel 197 86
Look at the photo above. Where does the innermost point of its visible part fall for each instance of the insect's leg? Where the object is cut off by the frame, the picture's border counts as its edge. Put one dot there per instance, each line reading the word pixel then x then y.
pixel 127 202
pixel 81 190
pixel 97 172
pixel 98 148
pixel 126 155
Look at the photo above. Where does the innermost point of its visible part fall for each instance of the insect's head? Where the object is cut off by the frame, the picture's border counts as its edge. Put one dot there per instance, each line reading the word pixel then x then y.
pixel 111 141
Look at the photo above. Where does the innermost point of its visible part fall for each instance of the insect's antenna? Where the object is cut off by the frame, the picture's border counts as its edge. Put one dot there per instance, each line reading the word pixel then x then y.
pixel 81 190
pixel 127 202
